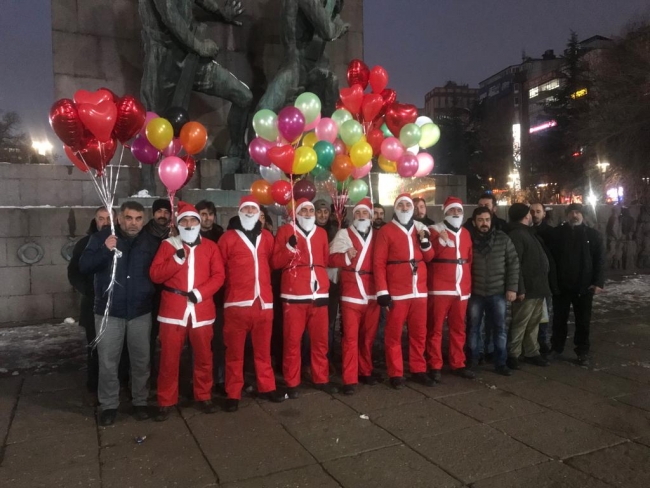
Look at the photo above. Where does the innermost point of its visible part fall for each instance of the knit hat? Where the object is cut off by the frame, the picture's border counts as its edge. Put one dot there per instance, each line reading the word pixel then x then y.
pixel 517 212
pixel 303 202
pixel 248 200
pixel 452 202
pixel 574 206
pixel 161 203
pixel 364 204
pixel 321 204
pixel 186 210
pixel 403 197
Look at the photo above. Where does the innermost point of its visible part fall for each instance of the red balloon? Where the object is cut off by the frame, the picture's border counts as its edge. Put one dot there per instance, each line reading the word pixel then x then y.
pixel 281 192
pixel 97 154
pixel 390 97
pixel 358 73
pixel 304 189
pixel 339 105
pixel 99 119
pixel 131 115
pixel 75 160
pixel 191 168
pixel 378 79
pixel 352 98
pixel 115 97
pixel 65 121
pixel 400 114
pixel 371 106
pixel 94 98
pixel 375 137
pixel 282 157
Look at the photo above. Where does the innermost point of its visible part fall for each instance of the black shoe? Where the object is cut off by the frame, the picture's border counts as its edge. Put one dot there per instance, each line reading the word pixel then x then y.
pixel 107 417
pixel 207 406
pixel 397 382
pixel 555 356
pixel 231 405
pixel 292 393
pixel 512 363
pixel 328 388
pixel 423 379
pixel 536 361
pixel 503 370
pixel 368 380
pixel 481 360
pixel 141 412
pixel 582 360
pixel 272 396
pixel 162 414
pixel 435 375
pixel 489 357
pixel 544 349
pixel 348 389
pixel 468 374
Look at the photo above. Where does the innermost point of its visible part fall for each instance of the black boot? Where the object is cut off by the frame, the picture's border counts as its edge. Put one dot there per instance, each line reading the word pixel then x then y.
pixel 368 380
pixel 232 405
pixel 141 412
pixel 435 375
pixel 512 363
pixel 397 382
pixel 272 396
pixel 327 388
pixel 349 389
pixel 468 374
pixel 162 414
pixel 536 361
pixel 108 417
pixel 423 379
pixel 293 393
pixel 207 406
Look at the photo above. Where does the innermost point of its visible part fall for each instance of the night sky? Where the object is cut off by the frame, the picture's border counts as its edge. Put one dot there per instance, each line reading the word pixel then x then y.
pixel 422 43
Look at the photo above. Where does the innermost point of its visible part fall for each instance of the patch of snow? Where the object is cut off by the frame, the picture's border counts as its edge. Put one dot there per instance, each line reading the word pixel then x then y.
pixel 69 320
pixel 363 416
pixel 143 194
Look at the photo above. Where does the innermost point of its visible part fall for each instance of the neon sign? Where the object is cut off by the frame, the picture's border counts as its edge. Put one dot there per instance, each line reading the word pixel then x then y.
pixel 544 126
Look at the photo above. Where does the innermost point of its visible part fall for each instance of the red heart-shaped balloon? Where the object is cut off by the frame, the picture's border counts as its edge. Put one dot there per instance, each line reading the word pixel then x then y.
pixel 400 114
pixel 97 154
pixel 390 97
pixel 375 137
pixel 378 79
pixel 93 98
pixel 282 157
pixel 352 98
pixel 99 119
pixel 371 106
pixel 65 121
pixel 131 115
pixel 191 167
pixel 358 73
pixel 74 159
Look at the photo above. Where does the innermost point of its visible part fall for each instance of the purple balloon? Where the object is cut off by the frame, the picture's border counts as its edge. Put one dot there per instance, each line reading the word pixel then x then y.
pixel 174 147
pixel 143 151
pixel 304 189
pixel 259 151
pixel 291 123
pixel 407 165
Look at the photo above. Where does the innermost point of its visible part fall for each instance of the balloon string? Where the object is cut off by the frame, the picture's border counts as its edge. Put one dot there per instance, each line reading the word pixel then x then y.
pixel 296 255
pixel 372 200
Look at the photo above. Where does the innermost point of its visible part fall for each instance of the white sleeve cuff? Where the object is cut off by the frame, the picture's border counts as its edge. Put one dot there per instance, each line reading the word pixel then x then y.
pixel 198 296
pixel 347 259
pixel 382 292
pixel 292 249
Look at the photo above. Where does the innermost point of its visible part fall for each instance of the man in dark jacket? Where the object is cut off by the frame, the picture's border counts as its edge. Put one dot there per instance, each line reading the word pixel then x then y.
pixel 158 226
pixel 489 201
pixel 129 315
pixel 579 257
pixel 533 288
pixel 420 212
pixel 495 279
pixel 542 228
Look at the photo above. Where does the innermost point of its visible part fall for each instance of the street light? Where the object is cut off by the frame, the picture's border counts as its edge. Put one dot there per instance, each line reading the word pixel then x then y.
pixel 43 147
pixel 602 166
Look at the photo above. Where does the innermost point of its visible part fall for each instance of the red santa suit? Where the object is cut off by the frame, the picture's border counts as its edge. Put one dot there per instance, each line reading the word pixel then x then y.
pixel 449 284
pixel 400 272
pixel 359 309
pixel 190 278
pixel 248 304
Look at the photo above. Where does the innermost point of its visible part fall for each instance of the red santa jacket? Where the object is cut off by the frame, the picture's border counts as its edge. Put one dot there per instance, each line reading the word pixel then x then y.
pixel 450 273
pixel 201 271
pixel 248 272
pixel 357 282
pixel 304 276
pixel 395 249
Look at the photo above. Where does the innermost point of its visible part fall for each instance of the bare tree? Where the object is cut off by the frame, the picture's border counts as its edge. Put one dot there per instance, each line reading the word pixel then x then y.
pixel 14 144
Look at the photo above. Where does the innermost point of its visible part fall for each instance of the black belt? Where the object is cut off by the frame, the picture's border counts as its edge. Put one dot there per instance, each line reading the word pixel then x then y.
pixel 361 272
pixel 413 262
pixel 450 261
pixel 174 290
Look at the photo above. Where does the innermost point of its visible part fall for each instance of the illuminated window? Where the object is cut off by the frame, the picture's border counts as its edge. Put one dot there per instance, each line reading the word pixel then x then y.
pixel 550 85
pixel 533 92
pixel 579 94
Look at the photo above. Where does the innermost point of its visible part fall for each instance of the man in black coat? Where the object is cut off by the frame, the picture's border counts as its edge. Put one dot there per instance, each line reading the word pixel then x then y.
pixel 542 228
pixel 489 201
pixel 579 256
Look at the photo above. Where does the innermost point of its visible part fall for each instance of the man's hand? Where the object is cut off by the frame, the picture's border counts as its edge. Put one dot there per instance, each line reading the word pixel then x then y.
pixel 596 290
pixel 520 298
pixel 192 297
pixel 111 242
pixel 180 253
pixel 207 49
pixel 444 235
pixel 231 10
pixel 293 241
pixel 352 252
pixel 384 300
pixel 511 296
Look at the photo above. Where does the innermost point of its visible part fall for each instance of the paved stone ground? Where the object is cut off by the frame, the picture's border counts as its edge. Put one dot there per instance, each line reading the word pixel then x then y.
pixel 561 426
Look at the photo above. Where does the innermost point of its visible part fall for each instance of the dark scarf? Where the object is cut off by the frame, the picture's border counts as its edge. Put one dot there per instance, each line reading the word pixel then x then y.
pixel 155 229
pixel 482 242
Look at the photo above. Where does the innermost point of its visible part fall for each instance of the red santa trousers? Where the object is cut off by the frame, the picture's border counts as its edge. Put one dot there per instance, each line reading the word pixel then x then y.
pixel 454 309
pixel 297 316
pixel 172 338
pixel 361 322
pixel 238 322
pixel 414 312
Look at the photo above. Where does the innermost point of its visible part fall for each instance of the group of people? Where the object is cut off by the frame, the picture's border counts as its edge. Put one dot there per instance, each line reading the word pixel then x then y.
pixel 172 282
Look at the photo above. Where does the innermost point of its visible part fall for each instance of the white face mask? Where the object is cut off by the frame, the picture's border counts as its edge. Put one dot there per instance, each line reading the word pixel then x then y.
pixel 404 217
pixel 248 221
pixel 455 221
pixel 307 223
pixel 189 235
pixel 362 225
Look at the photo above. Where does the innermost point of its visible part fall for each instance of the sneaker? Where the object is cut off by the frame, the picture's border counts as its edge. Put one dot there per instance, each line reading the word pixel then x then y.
pixel 512 363
pixel 466 373
pixel 141 412
pixel 435 375
pixel 423 379
pixel 207 406
pixel 348 389
pixel 582 360
pixel 503 370
pixel 397 382
pixel 292 393
pixel 536 361
pixel 327 388
pixel 232 405
pixel 368 380
pixel 108 417
pixel 272 396
pixel 162 414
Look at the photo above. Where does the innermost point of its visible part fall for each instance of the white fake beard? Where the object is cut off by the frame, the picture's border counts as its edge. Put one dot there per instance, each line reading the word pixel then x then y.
pixel 189 234
pixel 404 217
pixel 307 223
pixel 456 221
pixel 362 225
pixel 248 221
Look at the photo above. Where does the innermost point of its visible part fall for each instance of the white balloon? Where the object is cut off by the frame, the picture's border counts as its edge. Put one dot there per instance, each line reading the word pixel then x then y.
pixel 414 149
pixel 420 121
pixel 271 173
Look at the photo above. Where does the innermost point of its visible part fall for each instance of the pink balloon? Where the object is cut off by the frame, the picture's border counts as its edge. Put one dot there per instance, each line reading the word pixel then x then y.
pixel 392 149
pixel 173 173
pixel 339 147
pixel 327 130
pixel 313 125
pixel 291 123
pixel 362 171
pixel 174 147
pixel 150 116
pixel 426 164
pixel 258 150
pixel 407 165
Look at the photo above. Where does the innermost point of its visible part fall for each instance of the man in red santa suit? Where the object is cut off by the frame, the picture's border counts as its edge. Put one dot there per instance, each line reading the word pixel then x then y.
pixel 352 251
pixel 246 250
pixel 191 271
pixel 402 250
pixel 450 285
pixel 302 252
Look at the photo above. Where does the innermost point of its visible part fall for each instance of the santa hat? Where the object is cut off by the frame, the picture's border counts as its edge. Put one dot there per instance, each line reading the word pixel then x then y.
pixel 248 200
pixel 301 203
pixel 403 197
pixel 452 202
pixel 364 204
pixel 186 210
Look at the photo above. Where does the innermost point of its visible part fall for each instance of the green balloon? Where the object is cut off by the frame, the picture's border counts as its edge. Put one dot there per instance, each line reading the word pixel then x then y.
pixel 357 190
pixel 309 104
pixel 430 135
pixel 342 185
pixel 265 123
pixel 325 153
pixel 386 131
pixel 318 171
pixel 351 131
pixel 341 116
pixel 410 135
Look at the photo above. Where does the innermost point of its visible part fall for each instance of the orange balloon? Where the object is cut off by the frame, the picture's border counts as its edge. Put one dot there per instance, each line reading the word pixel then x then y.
pixel 261 190
pixel 193 137
pixel 342 167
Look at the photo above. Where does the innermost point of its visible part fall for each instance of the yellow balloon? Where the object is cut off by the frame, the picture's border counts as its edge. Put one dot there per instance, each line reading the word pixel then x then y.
pixel 386 165
pixel 310 139
pixel 349 148
pixel 304 160
pixel 159 133
pixel 360 154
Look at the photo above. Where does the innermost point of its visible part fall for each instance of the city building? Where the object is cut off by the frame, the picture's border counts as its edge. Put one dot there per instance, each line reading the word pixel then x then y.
pixel 450 101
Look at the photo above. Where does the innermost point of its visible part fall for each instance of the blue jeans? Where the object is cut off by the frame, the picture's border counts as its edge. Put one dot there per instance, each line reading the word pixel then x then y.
pixel 494 309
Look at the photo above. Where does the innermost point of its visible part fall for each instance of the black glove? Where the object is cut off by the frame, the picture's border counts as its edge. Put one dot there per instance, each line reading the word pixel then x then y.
pixel 424 242
pixel 384 300
pixel 192 297
pixel 180 253
pixel 293 241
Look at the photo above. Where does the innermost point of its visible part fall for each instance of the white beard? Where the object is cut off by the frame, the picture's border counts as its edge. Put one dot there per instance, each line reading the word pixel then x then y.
pixel 404 217
pixel 248 221
pixel 307 223
pixel 189 235
pixel 362 225
pixel 455 221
